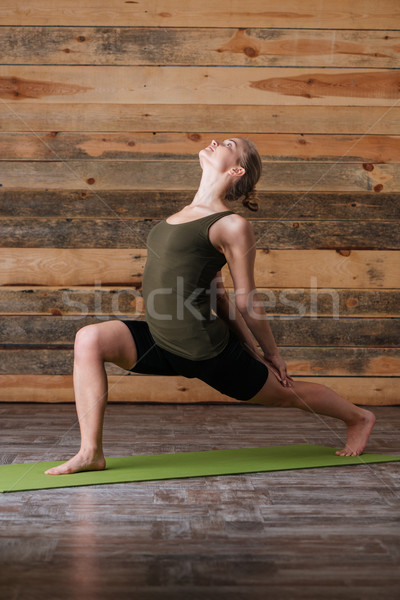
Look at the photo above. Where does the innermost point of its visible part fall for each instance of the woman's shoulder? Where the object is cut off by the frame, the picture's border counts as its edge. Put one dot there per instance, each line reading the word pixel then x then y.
pixel 232 230
pixel 235 224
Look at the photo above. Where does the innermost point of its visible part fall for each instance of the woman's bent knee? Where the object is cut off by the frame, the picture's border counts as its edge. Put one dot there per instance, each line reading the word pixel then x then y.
pixel 110 341
pixel 87 341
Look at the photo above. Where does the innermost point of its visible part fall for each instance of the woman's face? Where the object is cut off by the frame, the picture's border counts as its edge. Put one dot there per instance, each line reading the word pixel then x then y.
pixel 223 156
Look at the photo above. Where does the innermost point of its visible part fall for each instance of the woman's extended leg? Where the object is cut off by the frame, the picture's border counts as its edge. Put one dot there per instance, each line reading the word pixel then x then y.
pixel 317 398
pixel 95 344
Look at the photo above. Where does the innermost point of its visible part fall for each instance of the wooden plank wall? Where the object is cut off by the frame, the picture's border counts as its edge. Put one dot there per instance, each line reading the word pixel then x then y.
pixel 104 107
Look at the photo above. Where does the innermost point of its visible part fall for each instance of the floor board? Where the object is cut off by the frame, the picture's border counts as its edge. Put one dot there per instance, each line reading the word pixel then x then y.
pixel 309 534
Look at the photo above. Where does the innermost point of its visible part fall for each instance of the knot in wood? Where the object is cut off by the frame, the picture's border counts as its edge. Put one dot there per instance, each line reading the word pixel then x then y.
pixel 368 166
pixel 250 51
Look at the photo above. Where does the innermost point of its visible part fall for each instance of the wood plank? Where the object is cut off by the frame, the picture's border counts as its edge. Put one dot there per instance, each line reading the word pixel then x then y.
pixel 125 233
pixel 117 301
pixel 301 361
pixel 153 204
pixel 360 269
pixel 354 269
pixel 136 146
pixel 362 14
pixel 72 267
pixel 185 175
pixel 78 117
pixel 199 46
pixel 372 391
pixel 200 85
pixel 100 300
pixel 305 331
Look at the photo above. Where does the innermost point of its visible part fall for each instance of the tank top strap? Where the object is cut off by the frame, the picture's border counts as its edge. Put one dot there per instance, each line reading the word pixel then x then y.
pixel 210 219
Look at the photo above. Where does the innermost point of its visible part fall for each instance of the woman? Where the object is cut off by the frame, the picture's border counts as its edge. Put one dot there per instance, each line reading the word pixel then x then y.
pixel 191 327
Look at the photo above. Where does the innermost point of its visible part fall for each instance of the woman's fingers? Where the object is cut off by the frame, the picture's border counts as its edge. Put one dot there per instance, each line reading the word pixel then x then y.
pixel 286 379
pixel 280 373
pixel 274 371
pixel 282 378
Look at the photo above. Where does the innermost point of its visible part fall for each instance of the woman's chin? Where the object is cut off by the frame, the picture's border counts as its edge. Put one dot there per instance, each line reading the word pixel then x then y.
pixel 202 155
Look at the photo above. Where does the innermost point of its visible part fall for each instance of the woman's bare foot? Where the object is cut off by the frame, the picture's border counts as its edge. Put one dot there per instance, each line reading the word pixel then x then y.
pixel 358 434
pixel 80 462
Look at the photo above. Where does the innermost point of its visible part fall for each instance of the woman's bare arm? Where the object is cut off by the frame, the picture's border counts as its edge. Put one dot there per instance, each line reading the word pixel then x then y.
pixel 239 249
pixel 238 244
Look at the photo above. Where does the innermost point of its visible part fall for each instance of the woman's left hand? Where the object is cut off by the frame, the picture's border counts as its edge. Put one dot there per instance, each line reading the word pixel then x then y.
pixel 275 363
pixel 279 368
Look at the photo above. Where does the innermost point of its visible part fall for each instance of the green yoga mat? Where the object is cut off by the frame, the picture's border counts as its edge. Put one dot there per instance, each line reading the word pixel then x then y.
pixel 30 476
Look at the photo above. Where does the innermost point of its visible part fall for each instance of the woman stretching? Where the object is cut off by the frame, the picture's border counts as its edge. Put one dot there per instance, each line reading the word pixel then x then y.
pixel 191 327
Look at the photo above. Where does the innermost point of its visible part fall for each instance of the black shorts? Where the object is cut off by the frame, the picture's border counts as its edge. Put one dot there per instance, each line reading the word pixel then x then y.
pixel 233 372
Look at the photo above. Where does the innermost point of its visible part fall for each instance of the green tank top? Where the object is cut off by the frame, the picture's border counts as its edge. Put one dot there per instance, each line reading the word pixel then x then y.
pixel 180 302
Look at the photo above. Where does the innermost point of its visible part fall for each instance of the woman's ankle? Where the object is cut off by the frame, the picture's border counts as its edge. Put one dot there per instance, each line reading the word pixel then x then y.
pixel 91 452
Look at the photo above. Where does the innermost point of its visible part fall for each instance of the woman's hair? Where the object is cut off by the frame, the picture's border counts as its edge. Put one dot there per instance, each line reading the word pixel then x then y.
pixel 245 185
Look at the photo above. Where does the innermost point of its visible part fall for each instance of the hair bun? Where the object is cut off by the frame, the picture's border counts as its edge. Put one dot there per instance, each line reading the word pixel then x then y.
pixel 250 200
pixel 244 186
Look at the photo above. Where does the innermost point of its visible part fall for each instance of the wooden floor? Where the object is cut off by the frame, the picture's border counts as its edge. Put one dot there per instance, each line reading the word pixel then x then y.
pixel 328 533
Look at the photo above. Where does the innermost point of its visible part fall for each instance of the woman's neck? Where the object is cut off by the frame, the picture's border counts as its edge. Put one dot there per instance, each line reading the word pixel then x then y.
pixel 210 194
